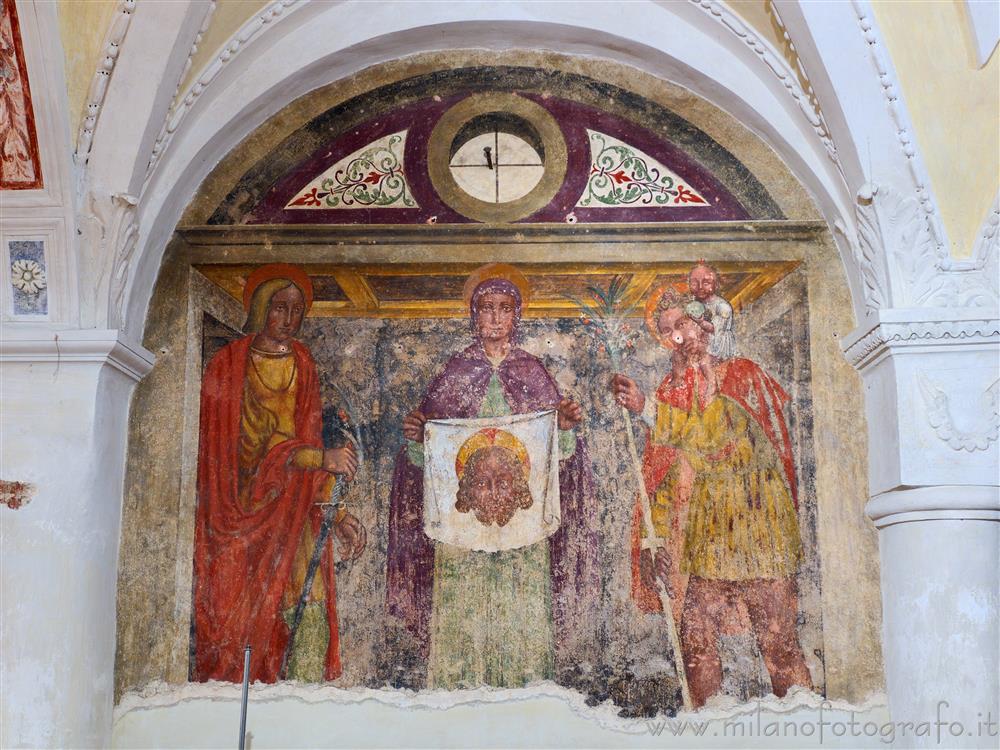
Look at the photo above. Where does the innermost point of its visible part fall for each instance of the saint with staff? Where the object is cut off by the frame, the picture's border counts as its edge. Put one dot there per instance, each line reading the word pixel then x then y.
pixel 719 485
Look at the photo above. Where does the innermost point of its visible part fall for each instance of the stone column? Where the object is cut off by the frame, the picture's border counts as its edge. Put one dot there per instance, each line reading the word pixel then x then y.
pixel 66 398
pixel 931 398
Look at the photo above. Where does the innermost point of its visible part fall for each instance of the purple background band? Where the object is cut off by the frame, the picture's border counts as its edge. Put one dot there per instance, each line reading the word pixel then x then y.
pixel 574 119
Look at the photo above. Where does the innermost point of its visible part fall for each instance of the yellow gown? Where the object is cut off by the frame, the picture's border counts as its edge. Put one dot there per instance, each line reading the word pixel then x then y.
pixel 741 521
pixel 267 419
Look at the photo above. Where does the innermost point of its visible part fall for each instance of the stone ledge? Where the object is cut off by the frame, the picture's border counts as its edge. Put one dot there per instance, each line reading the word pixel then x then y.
pixel 895 328
pixel 33 343
pixel 940 502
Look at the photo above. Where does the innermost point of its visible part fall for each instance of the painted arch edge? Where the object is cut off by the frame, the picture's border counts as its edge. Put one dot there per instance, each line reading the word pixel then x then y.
pixel 179 172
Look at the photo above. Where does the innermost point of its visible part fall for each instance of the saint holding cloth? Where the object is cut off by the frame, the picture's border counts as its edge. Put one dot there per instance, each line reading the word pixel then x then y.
pixel 492 483
pixel 507 617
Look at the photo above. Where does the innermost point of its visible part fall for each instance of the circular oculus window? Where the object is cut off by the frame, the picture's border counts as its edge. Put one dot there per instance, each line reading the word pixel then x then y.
pixel 497 157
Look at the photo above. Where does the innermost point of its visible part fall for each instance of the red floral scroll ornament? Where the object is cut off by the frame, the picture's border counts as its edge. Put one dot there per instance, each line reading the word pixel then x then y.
pixel 20 168
pixel 621 175
pixel 686 196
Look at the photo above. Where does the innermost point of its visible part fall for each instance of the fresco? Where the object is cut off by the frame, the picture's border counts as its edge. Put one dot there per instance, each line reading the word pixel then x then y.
pixel 514 583
pixel 20 168
pixel 494 618
pixel 722 538
pixel 263 485
pixel 495 145
pixel 466 375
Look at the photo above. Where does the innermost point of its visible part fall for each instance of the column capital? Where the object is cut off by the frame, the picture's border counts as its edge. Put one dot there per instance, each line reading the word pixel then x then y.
pixel 932 387
pixel 49 344
pixel 895 330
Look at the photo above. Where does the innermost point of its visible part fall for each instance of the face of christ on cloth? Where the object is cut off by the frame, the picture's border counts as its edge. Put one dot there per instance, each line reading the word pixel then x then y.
pixel 493 477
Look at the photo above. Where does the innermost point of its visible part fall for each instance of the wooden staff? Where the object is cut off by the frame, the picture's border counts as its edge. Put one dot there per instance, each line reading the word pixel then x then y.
pixel 655 541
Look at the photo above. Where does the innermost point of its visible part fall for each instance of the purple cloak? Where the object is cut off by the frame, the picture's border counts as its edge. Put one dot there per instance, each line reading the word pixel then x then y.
pixel 458 392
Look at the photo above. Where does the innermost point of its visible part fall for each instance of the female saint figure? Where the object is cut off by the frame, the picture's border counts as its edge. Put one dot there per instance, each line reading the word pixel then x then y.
pixel 495 618
pixel 262 471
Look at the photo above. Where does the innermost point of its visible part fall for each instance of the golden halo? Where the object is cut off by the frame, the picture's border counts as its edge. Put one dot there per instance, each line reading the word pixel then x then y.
pixel 497 271
pixel 486 438
pixel 652 316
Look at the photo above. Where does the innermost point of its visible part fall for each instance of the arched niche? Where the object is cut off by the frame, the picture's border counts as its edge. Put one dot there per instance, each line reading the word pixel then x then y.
pixel 388 314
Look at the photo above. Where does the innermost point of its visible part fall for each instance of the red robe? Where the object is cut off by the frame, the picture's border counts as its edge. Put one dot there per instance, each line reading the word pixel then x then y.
pixel 243 559
pixel 763 399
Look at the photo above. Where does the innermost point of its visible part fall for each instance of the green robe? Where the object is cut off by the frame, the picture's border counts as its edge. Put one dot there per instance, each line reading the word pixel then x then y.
pixel 491 612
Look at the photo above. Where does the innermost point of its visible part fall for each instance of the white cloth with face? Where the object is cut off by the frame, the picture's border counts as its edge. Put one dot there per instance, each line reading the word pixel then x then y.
pixel 538 433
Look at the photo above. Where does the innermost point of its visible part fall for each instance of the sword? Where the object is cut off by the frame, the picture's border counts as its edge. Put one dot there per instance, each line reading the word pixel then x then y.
pixel 339 488
pixel 326 526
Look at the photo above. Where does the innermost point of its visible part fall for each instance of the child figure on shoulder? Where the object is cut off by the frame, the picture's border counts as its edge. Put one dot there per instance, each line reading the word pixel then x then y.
pixel 703 284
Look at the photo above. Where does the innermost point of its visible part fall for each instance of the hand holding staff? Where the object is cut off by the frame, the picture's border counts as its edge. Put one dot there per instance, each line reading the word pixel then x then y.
pixel 605 315
pixel 632 400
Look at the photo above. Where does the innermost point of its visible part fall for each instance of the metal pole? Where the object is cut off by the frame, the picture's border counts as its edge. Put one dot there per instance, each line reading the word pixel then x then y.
pixel 243 702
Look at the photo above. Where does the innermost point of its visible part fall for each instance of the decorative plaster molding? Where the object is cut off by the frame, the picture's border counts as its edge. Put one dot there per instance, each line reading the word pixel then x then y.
pixel 868 250
pixel 940 419
pixel 125 236
pixel 986 249
pixel 99 83
pixel 863 345
pixel 205 23
pixel 940 502
pixel 181 106
pixel 967 288
pixel 899 245
pixel 796 82
pixel 74 346
pixel 110 234
pixel 900 264
pixel 881 61
pixel 974 282
pixel 988 242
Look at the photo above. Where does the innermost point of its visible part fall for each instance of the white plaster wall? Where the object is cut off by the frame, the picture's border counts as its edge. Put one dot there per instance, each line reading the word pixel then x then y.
pixel 58 559
pixel 285 716
pixel 36 585
pixel 63 429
